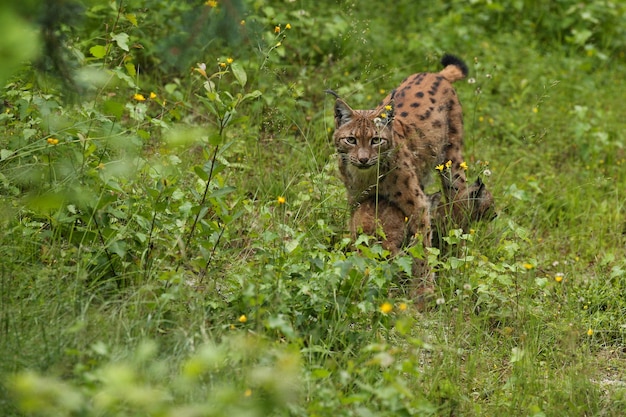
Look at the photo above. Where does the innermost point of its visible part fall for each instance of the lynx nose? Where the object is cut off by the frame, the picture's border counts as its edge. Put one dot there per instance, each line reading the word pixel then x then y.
pixel 363 156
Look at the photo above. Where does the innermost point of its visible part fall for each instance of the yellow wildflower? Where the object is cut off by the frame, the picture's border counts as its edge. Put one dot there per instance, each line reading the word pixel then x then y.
pixel 223 64
pixel 386 308
pixel 388 107
pixel 448 164
pixel 52 141
pixel 277 29
pixel 402 306
pixel 281 200
pixel 464 165
pixel 528 266
pixel 287 26
pixel 242 318
pixel 558 277
pixel 535 110
pixel 242 23
pixel 247 392
pixel 383 115
pixel 153 95
pixel 139 97
pixel 439 168
pixel 229 60
pixel 589 332
pixel 211 3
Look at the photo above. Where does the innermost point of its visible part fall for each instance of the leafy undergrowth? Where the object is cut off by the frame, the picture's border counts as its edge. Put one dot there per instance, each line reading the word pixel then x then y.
pixel 173 231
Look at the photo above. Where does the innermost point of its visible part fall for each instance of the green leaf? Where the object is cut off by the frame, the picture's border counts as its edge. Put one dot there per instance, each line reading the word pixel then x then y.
pixel 200 172
pixel 291 245
pixel 5 154
pixel 131 18
pixel 239 73
pixel 215 139
pixel 122 41
pixel 252 95
pixel 130 67
pixel 98 51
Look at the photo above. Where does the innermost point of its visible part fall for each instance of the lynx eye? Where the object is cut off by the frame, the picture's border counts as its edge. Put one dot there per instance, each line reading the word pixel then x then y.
pixel 376 141
pixel 351 140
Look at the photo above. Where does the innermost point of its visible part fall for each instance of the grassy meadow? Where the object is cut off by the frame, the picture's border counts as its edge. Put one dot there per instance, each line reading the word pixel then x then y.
pixel 173 232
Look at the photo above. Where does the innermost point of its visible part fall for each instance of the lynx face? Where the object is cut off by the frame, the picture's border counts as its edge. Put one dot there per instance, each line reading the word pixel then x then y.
pixel 362 137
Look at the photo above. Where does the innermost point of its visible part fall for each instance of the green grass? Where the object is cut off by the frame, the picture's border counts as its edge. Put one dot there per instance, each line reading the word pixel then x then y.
pixel 150 268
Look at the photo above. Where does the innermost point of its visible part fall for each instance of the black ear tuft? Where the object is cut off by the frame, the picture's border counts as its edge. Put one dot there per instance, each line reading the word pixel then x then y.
pixel 332 93
pixel 343 113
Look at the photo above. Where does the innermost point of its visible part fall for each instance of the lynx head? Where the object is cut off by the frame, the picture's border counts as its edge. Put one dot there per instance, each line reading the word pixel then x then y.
pixel 362 136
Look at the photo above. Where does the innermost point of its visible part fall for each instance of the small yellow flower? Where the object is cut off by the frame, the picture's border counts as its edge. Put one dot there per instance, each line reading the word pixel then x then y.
pixel 464 165
pixel 242 23
pixel 528 266
pixel 211 3
pixel 52 141
pixel 242 318
pixel 402 306
pixel 439 168
pixel 229 60
pixel 448 164
pixel 535 110
pixel 386 308
pixel 590 332
pixel 223 64
pixel 153 95
pixel 277 29
pixel 281 200
pixel 383 115
pixel 139 97
pixel 558 277
pixel 247 393
pixel 388 107
pixel 287 26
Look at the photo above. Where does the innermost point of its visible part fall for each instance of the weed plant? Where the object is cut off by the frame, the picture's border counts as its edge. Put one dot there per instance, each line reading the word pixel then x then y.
pixel 173 231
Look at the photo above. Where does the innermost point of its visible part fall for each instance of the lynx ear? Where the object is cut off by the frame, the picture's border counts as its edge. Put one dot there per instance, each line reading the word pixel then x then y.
pixel 343 113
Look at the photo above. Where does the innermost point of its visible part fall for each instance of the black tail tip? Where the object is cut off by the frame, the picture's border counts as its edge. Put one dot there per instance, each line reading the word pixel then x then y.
pixel 449 59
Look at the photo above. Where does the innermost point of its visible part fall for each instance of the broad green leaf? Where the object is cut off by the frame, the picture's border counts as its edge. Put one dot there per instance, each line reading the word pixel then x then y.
pixel 130 67
pixel 98 51
pixel 291 245
pixel 131 18
pixel 239 73
pixel 200 172
pixel 122 40
pixel 215 139
pixel 5 154
pixel 252 95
